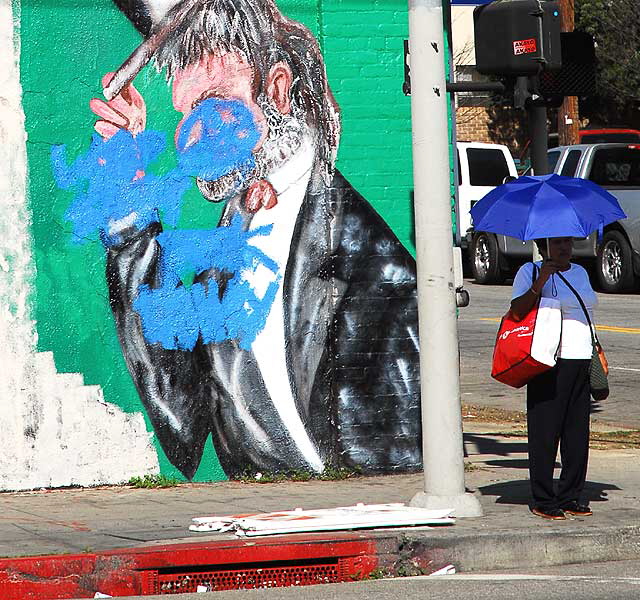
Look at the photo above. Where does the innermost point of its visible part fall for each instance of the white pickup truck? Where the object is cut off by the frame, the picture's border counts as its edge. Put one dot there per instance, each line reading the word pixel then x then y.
pixel 481 167
pixel 615 260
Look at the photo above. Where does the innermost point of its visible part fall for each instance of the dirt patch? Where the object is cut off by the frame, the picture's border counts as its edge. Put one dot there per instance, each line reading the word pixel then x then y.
pixel 489 414
pixel 511 423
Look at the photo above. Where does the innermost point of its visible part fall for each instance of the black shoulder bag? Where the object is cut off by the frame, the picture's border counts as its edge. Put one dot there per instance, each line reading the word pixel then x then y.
pixel 598 369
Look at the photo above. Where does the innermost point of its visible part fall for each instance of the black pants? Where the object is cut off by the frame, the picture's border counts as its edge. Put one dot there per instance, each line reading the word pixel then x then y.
pixel 558 406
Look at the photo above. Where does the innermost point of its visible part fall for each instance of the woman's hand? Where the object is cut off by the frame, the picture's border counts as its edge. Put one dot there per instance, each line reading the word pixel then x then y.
pixel 547 269
pixel 523 304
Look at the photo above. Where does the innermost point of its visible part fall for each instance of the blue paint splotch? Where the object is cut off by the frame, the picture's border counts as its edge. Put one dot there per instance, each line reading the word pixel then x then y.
pixel 217 138
pixel 112 182
pixel 175 315
pixel 112 185
pixel 116 193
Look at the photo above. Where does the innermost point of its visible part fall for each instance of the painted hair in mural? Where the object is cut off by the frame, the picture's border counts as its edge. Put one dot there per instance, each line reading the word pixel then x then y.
pixel 288 332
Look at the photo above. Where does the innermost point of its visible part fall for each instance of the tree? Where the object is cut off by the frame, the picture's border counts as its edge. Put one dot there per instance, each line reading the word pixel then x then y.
pixel 615 26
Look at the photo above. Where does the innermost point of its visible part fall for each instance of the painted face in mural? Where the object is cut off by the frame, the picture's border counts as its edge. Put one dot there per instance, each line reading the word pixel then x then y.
pixel 228 76
pixel 224 76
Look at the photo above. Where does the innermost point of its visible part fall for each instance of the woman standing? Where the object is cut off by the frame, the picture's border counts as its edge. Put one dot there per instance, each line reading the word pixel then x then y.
pixel 558 401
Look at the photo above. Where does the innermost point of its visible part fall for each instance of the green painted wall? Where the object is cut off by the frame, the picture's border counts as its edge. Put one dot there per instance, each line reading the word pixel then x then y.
pixel 363 49
pixel 67 45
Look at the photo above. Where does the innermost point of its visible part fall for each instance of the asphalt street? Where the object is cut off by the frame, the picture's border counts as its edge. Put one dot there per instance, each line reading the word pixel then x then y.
pixel 618 580
pixel 618 322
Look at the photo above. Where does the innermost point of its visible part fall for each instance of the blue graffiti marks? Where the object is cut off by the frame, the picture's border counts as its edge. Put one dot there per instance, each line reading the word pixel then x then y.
pixel 175 315
pixel 113 188
pixel 115 194
pixel 217 138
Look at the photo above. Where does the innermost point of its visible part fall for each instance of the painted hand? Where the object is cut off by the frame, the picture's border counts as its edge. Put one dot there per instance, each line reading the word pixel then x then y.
pixel 126 111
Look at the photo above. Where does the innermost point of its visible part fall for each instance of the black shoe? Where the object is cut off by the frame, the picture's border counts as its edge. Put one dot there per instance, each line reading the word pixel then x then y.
pixel 577 510
pixel 548 513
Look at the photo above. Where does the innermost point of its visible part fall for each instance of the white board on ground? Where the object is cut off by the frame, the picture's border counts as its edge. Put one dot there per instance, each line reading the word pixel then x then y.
pixel 360 516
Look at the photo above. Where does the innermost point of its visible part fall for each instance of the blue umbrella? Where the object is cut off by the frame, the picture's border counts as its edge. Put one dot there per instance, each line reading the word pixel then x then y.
pixel 545 206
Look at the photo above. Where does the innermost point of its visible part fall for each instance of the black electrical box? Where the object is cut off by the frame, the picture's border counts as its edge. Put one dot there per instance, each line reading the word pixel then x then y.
pixel 517 37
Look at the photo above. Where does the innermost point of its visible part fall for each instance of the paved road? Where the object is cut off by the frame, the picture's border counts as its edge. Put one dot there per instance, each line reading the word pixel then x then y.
pixel 613 581
pixel 618 320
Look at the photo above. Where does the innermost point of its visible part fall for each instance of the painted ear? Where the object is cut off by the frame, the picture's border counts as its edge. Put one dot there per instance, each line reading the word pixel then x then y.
pixel 279 83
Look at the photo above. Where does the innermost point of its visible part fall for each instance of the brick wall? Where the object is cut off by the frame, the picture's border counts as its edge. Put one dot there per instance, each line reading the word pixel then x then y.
pixel 364 53
pixel 495 125
pixel 472 124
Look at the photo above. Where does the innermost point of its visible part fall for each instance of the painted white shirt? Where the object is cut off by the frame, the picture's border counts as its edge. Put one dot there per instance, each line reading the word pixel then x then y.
pixel 290 183
pixel 575 342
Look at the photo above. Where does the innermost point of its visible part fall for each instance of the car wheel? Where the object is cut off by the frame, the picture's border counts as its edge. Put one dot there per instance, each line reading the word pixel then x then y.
pixel 485 259
pixel 614 266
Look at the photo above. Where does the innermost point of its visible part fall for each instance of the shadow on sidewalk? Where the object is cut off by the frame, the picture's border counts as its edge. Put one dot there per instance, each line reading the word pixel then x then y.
pixel 518 492
pixel 511 463
pixel 483 444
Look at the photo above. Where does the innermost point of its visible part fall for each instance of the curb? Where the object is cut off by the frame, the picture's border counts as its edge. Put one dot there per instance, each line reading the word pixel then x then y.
pixel 497 551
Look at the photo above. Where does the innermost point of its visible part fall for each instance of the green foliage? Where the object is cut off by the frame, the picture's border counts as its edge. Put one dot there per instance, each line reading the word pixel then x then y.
pixel 329 474
pixel 379 573
pixel 615 26
pixel 410 569
pixel 153 481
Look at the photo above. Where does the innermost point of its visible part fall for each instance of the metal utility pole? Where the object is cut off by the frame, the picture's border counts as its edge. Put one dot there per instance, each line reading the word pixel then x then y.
pixel 439 360
pixel 568 115
pixel 539 136
pixel 538 131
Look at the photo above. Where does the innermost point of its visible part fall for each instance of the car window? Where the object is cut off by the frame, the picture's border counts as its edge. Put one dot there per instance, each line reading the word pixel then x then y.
pixel 571 163
pixel 553 157
pixel 487 166
pixel 616 167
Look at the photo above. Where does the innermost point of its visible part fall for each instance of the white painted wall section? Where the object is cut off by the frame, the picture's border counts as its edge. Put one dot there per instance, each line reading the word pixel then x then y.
pixel 54 430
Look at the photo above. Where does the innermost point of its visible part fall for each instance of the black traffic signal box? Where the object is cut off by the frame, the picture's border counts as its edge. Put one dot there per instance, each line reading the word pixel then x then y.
pixel 577 77
pixel 517 37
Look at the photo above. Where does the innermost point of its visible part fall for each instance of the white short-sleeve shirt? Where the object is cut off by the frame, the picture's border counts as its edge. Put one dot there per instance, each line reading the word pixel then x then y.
pixel 575 342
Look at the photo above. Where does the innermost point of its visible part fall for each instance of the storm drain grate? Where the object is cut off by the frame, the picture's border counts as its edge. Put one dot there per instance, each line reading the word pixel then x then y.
pixel 244 577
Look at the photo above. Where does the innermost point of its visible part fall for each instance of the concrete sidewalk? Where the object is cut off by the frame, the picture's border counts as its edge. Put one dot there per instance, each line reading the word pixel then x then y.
pixel 90 521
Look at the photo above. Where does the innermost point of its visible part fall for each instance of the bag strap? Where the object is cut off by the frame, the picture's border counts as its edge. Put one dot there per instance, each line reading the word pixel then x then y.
pixel 594 337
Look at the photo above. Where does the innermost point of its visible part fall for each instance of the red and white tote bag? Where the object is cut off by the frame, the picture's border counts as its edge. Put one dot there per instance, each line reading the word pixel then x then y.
pixel 527 347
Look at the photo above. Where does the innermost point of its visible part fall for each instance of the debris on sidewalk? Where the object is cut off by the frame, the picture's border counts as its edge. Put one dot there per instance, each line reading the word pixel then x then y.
pixel 448 570
pixel 360 516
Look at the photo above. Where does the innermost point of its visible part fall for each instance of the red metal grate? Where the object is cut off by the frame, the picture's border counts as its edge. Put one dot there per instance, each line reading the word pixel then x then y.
pixel 171 568
pixel 247 578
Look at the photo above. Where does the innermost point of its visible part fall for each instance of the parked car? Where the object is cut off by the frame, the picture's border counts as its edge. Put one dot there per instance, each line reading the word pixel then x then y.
pixel 607 136
pixel 615 259
pixel 599 136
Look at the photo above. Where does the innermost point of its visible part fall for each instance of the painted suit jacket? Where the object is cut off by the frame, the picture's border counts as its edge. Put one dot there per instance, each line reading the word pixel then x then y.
pixel 350 319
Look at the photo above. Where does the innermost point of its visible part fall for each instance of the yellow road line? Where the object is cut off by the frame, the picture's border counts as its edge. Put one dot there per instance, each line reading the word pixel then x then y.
pixel 612 328
pixel 617 329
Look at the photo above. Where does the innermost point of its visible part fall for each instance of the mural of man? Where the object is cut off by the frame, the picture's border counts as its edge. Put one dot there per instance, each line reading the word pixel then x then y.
pixel 313 359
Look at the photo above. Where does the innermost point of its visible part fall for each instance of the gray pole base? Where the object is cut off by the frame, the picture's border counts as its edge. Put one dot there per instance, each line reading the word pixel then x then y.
pixel 463 505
